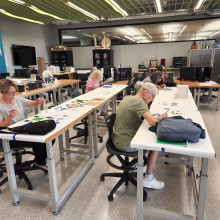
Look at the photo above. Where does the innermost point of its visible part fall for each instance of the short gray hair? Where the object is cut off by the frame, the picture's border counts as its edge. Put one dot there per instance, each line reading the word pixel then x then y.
pixel 150 87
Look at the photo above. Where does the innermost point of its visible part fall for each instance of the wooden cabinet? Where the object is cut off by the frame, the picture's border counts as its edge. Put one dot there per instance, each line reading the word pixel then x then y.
pixel 62 58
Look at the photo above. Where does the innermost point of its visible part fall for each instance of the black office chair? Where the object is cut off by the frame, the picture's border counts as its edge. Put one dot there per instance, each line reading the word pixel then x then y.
pixel 19 166
pixel 125 165
pixel 82 127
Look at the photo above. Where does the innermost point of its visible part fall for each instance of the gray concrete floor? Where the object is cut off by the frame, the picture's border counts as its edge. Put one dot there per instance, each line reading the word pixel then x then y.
pixel 89 200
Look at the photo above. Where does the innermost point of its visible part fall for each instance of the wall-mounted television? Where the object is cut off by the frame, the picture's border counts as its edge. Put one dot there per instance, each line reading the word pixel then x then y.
pixel 23 55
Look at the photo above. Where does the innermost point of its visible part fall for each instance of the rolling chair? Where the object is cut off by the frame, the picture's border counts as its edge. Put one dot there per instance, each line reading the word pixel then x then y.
pixel 82 127
pixel 126 166
pixel 19 166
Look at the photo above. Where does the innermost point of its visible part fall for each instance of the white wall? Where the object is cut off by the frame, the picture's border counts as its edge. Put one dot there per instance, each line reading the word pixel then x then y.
pixel 23 33
pixel 132 55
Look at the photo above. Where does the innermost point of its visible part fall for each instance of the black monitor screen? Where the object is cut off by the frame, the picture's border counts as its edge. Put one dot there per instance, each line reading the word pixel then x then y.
pixel 203 74
pixel 187 74
pixel 179 61
pixel 23 55
pixel 125 73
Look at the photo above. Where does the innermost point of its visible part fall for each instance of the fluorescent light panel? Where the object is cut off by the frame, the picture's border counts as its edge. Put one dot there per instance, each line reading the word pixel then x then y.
pixel 22 18
pixel 199 4
pixel 182 30
pixel 117 8
pixel 83 11
pixel 129 38
pixel 214 34
pixel 44 13
pixel 17 1
pixel 37 9
pixel 159 8
pixel 146 32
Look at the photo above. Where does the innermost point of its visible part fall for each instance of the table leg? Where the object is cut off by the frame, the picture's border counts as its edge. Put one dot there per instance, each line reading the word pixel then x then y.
pixel 90 137
pixel 10 172
pixel 140 185
pixel 52 177
pixel 54 98
pixel 194 93
pixel 60 95
pixel 198 98
pixel 202 189
pixel 95 133
pixel 61 148
pixel 217 105
pixel 67 137
pixel 114 104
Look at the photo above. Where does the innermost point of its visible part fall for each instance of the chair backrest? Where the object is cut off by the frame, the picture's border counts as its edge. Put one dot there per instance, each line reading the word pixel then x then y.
pixel 110 120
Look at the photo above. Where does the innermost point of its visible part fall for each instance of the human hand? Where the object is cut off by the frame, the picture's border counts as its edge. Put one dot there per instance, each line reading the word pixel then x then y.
pixel 13 113
pixel 164 115
pixel 102 84
pixel 163 86
pixel 40 101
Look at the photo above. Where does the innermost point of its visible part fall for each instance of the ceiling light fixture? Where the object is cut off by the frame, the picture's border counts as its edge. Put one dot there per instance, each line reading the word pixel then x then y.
pixel 182 30
pixel 87 35
pixel 158 6
pixel 146 32
pixel 214 34
pixel 117 8
pixel 82 11
pixel 129 38
pixel 170 36
pixel 199 4
pixel 22 18
pixel 44 13
pixel 17 1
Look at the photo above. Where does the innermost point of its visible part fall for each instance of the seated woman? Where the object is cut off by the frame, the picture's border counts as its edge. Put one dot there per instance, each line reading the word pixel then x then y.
pixel 130 115
pixel 156 78
pixel 12 111
pixel 95 81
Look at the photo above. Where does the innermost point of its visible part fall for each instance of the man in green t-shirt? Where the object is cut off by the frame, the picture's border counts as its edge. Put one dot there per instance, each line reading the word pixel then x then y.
pixel 130 114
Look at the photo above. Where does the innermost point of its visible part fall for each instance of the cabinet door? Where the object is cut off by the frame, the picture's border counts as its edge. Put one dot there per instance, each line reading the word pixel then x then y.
pixel 97 61
pixel 55 58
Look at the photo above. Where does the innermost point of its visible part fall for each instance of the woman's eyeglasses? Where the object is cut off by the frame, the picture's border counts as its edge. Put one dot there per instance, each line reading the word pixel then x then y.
pixel 12 93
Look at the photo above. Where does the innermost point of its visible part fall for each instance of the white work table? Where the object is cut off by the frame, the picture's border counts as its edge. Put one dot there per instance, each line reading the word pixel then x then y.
pixel 146 140
pixel 65 117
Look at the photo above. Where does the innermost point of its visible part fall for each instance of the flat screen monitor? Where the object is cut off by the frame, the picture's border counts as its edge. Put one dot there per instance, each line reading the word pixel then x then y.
pixel 125 73
pixel 179 61
pixel 203 74
pixel 187 73
pixel 23 55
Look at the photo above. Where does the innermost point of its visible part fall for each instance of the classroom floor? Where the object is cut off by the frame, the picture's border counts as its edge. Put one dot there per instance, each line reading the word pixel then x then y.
pixel 89 200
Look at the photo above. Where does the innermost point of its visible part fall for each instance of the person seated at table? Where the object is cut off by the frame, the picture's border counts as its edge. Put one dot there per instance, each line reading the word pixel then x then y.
pixel 47 75
pixel 156 78
pixel 95 81
pixel 12 111
pixel 130 114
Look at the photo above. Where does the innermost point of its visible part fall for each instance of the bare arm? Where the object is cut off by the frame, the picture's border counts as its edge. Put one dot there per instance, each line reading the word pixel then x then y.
pixel 89 89
pixel 7 121
pixel 153 120
pixel 35 103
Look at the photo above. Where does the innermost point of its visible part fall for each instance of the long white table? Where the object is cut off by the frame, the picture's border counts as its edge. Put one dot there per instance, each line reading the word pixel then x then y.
pixel 104 94
pixel 65 118
pixel 146 140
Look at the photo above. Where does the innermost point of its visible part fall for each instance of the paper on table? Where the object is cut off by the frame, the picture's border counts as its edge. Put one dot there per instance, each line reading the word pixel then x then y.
pixel 184 143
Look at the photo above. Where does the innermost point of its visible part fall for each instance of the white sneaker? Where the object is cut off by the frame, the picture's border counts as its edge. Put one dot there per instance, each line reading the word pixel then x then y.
pixel 153 184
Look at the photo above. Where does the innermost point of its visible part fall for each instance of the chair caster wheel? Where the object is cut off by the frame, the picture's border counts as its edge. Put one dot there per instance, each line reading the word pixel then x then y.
pixel 110 197
pixel 61 159
pixel 56 213
pixel 102 178
pixel 145 197
pixel 30 187
pixel 16 203
pixel 101 140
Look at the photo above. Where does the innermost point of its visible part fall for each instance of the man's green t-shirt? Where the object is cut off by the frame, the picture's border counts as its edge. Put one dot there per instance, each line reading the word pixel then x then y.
pixel 128 120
